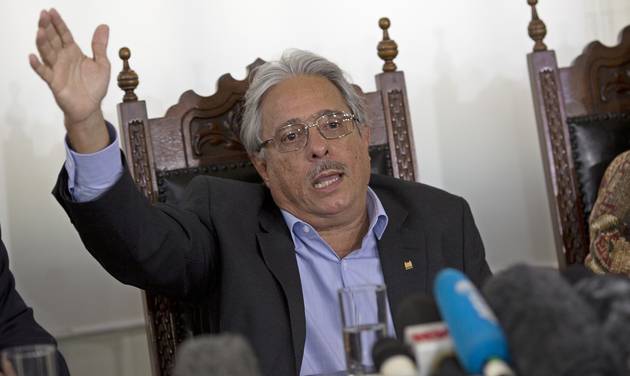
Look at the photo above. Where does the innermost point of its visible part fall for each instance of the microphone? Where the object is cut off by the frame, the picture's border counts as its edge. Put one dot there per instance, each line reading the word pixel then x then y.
pixel 424 332
pixel 550 328
pixel 392 358
pixel 449 367
pixel 609 296
pixel 574 273
pixel 224 354
pixel 479 340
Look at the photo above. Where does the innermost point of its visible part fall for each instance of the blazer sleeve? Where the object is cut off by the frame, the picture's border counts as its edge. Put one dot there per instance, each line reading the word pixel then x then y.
pixel 17 324
pixel 475 265
pixel 160 248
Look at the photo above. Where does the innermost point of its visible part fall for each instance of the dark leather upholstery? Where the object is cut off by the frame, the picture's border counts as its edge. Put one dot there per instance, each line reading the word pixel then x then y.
pixel 171 184
pixel 596 140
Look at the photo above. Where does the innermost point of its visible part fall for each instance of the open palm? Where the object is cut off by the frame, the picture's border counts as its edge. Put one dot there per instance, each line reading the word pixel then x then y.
pixel 78 83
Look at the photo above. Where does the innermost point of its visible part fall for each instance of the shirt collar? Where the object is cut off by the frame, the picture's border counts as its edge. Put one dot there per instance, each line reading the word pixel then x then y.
pixel 376 213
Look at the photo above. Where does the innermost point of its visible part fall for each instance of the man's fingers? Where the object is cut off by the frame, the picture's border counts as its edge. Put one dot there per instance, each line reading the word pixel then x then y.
pixel 44 72
pixel 99 43
pixel 60 26
pixel 48 54
pixel 45 23
pixel 44 19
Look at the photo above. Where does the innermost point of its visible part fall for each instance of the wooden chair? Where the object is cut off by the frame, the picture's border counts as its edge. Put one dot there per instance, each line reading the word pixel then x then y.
pixel 200 135
pixel 583 116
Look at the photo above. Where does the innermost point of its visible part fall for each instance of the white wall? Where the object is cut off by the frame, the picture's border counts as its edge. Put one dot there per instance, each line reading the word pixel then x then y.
pixel 468 91
pixel 112 353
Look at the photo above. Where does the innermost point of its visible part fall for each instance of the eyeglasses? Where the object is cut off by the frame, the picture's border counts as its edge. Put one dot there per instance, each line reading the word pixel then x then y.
pixel 294 137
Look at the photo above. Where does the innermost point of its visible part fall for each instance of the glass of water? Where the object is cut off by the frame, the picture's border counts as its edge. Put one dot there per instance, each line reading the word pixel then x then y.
pixel 364 321
pixel 31 360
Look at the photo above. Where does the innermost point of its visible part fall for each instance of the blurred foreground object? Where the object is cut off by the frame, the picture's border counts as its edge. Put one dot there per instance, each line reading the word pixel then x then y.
pixel 550 329
pixel 224 355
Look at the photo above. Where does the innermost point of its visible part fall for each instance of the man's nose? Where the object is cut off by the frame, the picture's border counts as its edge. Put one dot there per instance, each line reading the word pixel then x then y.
pixel 317 145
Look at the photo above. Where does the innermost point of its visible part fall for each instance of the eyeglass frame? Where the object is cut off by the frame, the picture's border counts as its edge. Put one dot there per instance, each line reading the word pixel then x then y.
pixel 313 123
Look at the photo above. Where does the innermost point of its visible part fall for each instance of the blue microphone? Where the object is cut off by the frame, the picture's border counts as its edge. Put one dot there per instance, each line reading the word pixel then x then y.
pixel 479 340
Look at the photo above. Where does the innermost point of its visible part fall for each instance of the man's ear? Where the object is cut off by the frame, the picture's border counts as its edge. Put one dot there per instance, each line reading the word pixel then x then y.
pixel 260 164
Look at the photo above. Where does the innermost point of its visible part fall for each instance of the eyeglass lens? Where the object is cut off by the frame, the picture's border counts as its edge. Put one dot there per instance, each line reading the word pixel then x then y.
pixel 331 126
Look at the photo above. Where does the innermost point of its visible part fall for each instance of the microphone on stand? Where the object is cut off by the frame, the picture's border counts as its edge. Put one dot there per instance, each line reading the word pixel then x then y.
pixel 424 332
pixel 479 340
pixel 449 366
pixel 223 354
pixel 392 358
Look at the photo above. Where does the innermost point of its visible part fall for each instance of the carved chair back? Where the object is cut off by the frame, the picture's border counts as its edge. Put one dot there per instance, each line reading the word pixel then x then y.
pixel 200 135
pixel 583 117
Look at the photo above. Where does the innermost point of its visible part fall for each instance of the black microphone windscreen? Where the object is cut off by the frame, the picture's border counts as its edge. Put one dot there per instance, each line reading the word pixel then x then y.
pixel 417 309
pixel 551 330
pixel 609 296
pixel 576 272
pixel 386 348
pixel 224 354
pixel 449 367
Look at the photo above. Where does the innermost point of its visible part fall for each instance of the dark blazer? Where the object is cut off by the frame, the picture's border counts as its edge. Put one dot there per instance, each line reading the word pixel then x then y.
pixel 17 324
pixel 227 241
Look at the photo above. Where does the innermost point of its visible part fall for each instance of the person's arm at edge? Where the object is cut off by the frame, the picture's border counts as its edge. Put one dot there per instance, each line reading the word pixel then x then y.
pixel 17 324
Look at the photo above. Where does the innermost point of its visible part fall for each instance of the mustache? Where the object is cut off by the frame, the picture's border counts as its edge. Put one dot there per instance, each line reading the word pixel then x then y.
pixel 324 165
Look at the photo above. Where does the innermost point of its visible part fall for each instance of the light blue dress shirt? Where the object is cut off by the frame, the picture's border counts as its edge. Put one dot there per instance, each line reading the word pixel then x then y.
pixel 322 272
pixel 90 175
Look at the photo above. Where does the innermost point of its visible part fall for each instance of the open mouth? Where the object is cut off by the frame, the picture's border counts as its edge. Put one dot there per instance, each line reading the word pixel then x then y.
pixel 327 179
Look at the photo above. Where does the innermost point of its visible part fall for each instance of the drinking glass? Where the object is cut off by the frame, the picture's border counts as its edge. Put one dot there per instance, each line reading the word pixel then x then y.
pixel 31 360
pixel 364 321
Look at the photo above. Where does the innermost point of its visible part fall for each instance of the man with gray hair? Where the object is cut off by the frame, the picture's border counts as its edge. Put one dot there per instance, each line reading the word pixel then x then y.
pixel 319 223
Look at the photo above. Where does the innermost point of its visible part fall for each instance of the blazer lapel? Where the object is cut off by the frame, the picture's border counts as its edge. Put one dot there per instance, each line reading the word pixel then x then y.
pixel 277 250
pixel 403 257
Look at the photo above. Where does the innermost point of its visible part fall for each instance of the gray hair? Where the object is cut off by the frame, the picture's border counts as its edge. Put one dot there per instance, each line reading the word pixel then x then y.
pixel 292 63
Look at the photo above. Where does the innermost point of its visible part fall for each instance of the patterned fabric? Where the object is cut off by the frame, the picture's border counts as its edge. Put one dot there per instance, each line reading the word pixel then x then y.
pixel 609 224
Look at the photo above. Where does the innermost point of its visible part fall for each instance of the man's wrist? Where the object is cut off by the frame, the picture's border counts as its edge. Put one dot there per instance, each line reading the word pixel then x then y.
pixel 88 136
pixel 89 175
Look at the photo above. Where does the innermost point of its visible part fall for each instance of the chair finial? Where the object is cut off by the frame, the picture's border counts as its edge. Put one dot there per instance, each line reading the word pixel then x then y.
pixel 127 78
pixel 387 48
pixel 537 29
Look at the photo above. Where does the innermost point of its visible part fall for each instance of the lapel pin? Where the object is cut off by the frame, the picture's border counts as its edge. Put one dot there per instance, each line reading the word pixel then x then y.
pixel 408 265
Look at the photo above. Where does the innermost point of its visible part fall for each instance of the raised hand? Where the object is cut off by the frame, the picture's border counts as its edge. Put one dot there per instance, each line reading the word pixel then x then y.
pixel 78 83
